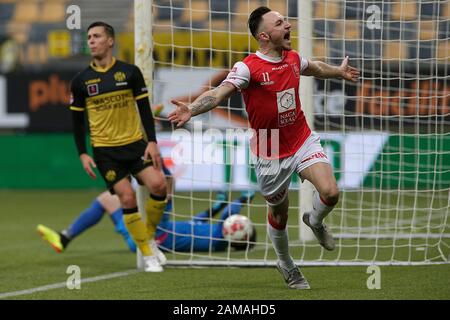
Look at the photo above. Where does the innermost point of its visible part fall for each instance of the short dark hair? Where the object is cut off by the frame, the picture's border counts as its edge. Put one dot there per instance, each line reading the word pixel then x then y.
pixel 108 28
pixel 255 19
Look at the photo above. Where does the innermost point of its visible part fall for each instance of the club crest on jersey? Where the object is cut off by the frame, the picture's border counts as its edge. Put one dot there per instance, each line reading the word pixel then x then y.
pixel 92 89
pixel 266 79
pixel 296 70
pixel 287 112
pixel 119 76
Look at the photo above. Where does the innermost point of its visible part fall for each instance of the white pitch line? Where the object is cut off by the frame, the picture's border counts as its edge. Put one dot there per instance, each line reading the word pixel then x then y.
pixel 64 285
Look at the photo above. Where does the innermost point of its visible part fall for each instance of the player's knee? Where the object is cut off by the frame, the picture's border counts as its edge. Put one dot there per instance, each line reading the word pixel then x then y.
pixel 128 200
pixel 159 186
pixel 331 195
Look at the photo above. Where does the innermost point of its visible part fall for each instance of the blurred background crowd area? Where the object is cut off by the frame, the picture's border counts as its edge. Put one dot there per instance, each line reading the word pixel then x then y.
pixel 34 34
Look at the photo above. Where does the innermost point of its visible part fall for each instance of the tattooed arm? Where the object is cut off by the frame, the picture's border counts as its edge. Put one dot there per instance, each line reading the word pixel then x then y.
pixel 205 102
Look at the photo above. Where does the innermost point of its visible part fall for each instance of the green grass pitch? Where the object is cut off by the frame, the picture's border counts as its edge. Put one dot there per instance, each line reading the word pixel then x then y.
pixel 27 262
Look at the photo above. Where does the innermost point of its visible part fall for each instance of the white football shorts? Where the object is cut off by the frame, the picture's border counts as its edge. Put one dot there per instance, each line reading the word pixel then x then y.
pixel 274 176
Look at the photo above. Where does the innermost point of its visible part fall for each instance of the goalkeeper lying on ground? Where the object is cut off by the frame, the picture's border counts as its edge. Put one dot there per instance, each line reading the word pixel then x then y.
pixel 170 235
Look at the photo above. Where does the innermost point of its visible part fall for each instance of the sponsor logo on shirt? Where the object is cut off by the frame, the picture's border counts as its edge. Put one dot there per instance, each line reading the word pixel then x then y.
pixel 280 67
pixel 118 84
pixel 96 80
pixel 287 112
pixel 92 89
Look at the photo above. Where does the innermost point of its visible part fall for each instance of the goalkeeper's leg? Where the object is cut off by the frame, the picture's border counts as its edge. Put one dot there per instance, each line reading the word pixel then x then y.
pixel 87 219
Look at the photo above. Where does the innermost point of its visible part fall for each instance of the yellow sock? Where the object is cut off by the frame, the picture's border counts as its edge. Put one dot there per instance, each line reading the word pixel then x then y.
pixel 155 210
pixel 138 232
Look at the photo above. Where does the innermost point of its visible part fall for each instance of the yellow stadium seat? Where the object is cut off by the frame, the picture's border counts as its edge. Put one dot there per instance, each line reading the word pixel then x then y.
pixel 279 6
pixel 443 51
pixel 395 50
pixel 26 12
pixel 245 7
pixel 220 25
pixel 427 30
pixel 327 9
pixel 199 12
pixel 404 10
pixel 349 30
pixel 319 50
pixel 19 31
pixel 446 11
pixel 52 11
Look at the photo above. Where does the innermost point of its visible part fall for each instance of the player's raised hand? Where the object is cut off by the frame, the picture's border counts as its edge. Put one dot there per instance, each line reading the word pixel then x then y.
pixel 348 72
pixel 88 165
pixel 181 114
pixel 152 152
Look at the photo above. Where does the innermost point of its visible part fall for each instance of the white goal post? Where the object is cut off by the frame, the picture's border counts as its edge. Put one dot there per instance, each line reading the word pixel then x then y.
pixel 388 137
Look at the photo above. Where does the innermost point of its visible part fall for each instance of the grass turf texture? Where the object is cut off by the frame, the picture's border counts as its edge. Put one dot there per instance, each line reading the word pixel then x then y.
pixel 28 262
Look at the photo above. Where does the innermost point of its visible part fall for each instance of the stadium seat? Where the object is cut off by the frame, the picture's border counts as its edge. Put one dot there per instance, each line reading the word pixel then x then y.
pixel 18 31
pixel 241 11
pixel 319 50
pixel 442 52
pixel 52 11
pixel 445 11
pixel 444 29
pixel 26 12
pixel 335 50
pixel 6 11
pixel 327 9
pixel 403 10
pixel 405 30
pixel 394 50
pixel 354 10
pixel 36 53
pixel 279 6
pixel 220 25
pixel 349 29
pixel 429 10
pixel 352 48
pixel 199 12
pixel 427 49
pixel 292 8
pixel 221 9
pixel 372 49
pixel 324 29
pixel 168 10
pixel 245 7
pixel 427 30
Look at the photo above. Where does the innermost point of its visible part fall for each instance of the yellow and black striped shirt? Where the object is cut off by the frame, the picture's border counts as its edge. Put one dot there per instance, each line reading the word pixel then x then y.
pixel 109 96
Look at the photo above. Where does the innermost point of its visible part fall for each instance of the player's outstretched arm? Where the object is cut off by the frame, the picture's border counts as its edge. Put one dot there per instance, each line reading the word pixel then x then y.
pixel 323 70
pixel 205 102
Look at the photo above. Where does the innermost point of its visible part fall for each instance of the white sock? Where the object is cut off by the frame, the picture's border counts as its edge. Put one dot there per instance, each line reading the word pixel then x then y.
pixel 280 243
pixel 320 210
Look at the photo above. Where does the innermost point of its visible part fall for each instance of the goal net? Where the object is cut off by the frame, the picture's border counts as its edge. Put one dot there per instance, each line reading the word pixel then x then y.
pixel 387 137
